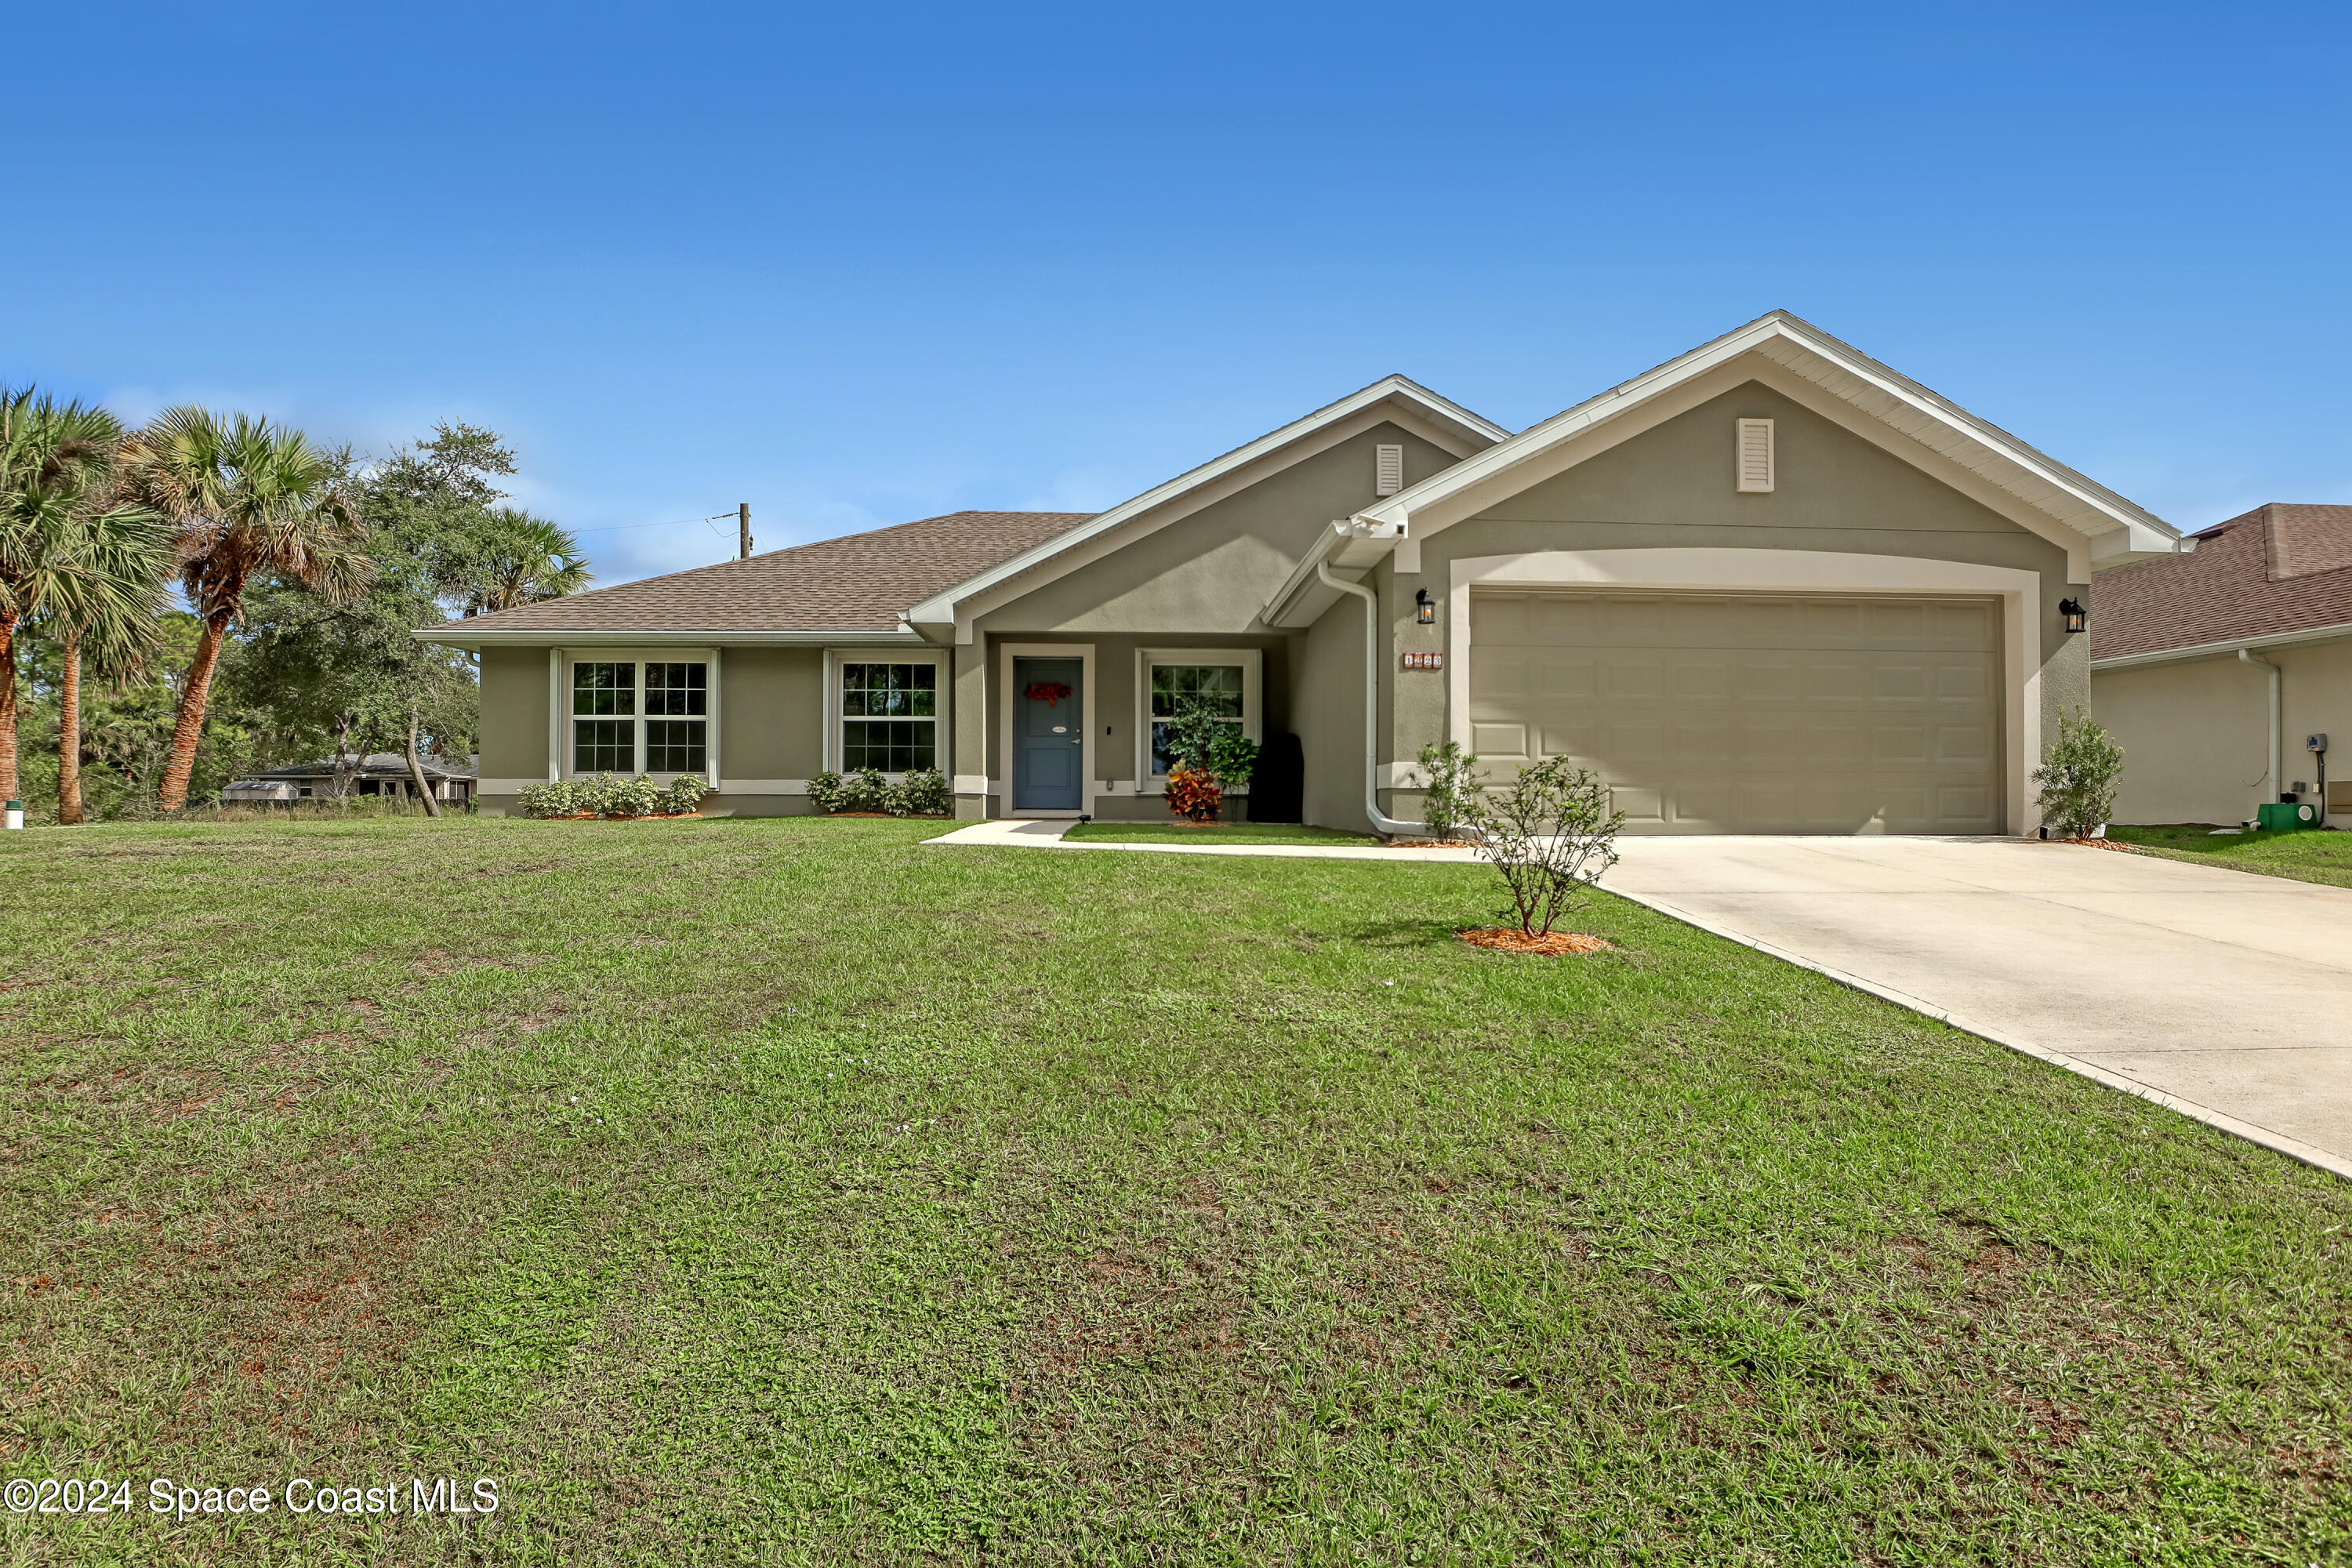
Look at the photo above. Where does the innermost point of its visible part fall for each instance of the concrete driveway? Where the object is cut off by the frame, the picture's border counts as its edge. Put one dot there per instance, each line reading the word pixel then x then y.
pixel 2227 994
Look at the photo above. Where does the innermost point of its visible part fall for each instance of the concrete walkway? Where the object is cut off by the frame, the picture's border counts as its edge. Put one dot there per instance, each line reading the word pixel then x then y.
pixel 2225 995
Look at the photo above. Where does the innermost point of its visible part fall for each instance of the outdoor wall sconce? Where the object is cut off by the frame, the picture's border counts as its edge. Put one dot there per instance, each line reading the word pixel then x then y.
pixel 2076 616
pixel 1424 609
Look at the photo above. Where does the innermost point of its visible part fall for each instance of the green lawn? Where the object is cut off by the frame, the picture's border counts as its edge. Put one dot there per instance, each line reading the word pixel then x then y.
pixel 1215 833
pixel 787 1191
pixel 2307 857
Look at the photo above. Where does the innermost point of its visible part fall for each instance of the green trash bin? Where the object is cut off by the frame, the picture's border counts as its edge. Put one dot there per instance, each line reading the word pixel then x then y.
pixel 2283 816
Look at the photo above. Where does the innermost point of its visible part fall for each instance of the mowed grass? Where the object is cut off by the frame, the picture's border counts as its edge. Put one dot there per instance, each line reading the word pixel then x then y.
pixel 1215 833
pixel 2312 856
pixel 787 1191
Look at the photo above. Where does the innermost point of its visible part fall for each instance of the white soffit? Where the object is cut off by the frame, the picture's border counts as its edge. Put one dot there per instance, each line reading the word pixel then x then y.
pixel 2119 527
pixel 1444 422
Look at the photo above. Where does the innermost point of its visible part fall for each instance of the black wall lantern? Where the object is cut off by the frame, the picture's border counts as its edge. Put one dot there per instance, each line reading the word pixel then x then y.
pixel 1424 609
pixel 2076 616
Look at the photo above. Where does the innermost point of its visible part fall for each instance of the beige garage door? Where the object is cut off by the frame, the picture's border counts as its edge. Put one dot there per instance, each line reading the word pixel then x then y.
pixel 1751 713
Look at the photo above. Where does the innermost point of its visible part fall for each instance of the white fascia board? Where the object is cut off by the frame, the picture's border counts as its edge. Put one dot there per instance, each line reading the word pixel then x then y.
pixel 458 637
pixel 1349 547
pixel 2336 633
pixel 1469 431
pixel 2144 530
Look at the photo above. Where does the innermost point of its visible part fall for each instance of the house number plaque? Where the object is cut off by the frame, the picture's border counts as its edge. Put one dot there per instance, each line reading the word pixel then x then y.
pixel 1424 661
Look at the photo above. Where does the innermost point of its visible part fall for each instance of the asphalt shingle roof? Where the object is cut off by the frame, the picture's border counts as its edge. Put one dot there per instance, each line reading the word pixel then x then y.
pixel 858 583
pixel 2283 567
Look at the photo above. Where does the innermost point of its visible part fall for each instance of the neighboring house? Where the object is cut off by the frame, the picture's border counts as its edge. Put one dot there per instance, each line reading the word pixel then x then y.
pixel 1769 586
pixel 2215 668
pixel 379 773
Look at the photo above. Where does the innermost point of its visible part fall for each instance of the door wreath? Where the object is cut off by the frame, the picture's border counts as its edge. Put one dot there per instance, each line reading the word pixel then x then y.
pixel 1049 692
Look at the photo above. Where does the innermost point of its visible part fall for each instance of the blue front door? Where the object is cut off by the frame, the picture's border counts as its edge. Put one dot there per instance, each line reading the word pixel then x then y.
pixel 1049 734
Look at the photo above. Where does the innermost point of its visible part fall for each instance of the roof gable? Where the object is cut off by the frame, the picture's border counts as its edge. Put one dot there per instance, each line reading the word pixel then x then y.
pixel 1394 397
pixel 2118 528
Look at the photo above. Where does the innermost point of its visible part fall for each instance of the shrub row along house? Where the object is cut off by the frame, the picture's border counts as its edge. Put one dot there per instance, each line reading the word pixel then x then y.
pixel 1769 586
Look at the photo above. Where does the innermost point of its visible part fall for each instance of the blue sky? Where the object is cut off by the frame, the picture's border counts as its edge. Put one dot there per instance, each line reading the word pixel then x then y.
pixel 860 265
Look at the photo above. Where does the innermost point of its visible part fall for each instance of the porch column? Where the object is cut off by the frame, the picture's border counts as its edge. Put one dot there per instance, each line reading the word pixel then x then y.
pixel 968 718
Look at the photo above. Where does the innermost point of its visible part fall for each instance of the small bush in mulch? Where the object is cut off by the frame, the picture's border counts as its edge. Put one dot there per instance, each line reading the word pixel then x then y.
pixel 2098 844
pixel 1550 944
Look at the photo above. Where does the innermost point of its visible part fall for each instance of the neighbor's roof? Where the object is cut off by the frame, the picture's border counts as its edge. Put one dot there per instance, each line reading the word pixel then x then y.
pixel 2278 570
pixel 374 763
pixel 859 583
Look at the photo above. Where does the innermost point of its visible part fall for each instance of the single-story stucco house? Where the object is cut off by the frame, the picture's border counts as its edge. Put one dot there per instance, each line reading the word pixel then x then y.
pixel 2218 670
pixel 378 773
pixel 1771 586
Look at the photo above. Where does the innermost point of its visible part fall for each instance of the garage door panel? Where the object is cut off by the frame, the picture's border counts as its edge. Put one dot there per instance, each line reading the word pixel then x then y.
pixel 1716 714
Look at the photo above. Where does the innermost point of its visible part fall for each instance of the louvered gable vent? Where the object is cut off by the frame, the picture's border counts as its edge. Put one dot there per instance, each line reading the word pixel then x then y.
pixel 1755 457
pixel 1388 470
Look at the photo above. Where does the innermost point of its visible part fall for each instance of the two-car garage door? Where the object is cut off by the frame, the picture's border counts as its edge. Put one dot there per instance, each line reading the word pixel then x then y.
pixel 1751 713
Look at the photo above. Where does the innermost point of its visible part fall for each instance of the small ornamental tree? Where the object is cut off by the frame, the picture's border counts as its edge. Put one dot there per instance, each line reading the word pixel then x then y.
pixel 1449 788
pixel 1550 834
pixel 2078 778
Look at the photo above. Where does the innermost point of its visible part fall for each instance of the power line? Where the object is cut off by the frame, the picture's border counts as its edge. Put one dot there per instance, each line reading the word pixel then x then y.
pixel 674 523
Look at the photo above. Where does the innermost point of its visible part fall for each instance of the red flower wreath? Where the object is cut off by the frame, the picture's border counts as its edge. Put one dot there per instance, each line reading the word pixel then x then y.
pixel 1049 692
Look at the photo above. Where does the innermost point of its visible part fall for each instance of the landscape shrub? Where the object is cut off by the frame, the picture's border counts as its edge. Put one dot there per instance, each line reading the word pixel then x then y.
pixel 1550 834
pixel 923 793
pixel 560 798
pixel 1192 794
pixel 611 796
pixel 2079 777
pixel 1232 758
pixel 1449 788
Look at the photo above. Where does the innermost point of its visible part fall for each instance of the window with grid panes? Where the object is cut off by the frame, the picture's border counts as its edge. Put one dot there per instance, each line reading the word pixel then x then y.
pixel 889 717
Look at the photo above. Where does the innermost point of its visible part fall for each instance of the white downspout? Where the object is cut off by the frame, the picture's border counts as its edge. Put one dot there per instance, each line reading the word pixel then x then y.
pixel 2277 774
pixel 1387 827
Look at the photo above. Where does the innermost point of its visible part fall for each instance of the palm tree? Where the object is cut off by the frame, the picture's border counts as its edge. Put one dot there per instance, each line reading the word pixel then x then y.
pixel 245 498
pixel 523 559
pixel 71 550
pixel 104 605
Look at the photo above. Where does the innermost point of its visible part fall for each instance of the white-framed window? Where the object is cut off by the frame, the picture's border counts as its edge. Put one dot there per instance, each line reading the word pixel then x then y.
pixel 886 711
pixel 1227 679
pixel 630 715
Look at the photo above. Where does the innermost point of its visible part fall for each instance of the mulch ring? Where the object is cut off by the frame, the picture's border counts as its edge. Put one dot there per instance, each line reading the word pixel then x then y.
pixel 1433 844
pixel 1555 944
pixel 2115 844
pixel 650 816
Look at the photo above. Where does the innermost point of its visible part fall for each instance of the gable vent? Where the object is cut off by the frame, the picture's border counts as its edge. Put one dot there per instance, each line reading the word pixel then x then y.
pixel 1755 457
pixel 1388 470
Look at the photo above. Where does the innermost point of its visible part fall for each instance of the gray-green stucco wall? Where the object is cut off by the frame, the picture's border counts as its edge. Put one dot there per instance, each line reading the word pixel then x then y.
pixel 771 714
pixel 514 721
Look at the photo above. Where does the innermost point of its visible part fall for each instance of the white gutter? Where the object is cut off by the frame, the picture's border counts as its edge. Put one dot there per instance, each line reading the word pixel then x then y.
pixel 2224 648
pixel 2277 773
pixel 456 635
pixel 1387 827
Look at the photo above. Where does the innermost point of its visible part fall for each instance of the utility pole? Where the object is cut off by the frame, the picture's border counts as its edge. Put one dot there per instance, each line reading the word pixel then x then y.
pixel 744 530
